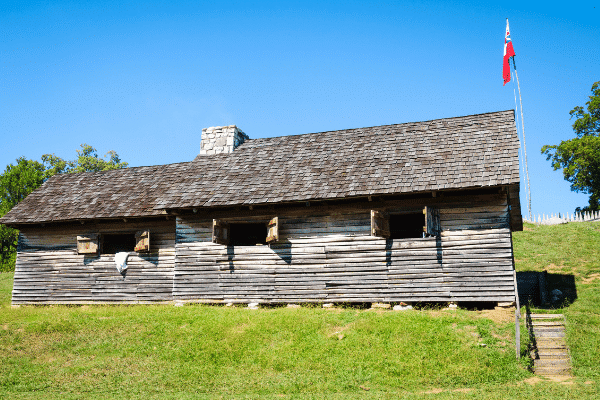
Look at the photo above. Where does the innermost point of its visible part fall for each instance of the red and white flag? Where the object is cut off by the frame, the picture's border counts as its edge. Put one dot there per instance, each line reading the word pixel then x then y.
pixel 508 53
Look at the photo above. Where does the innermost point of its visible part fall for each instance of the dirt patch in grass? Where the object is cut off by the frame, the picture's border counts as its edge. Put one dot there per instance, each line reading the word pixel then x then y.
pixel 468 329
pixel 559 269
pixel 565 380
pixel 338 331
pixel 591 278
pixel 433 391
pixel 534 380
pixel 498 315
pixel 438 390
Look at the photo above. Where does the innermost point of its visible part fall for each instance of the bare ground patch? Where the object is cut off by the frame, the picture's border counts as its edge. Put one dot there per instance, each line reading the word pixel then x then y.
pixel 498 315
pixel 338 331
pixel 591 278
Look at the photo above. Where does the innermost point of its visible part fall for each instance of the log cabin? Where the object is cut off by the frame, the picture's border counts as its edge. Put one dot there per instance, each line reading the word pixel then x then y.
pixel 413 212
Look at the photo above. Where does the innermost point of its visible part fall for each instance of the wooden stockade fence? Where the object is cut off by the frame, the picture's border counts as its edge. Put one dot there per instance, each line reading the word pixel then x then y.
pixel 559 218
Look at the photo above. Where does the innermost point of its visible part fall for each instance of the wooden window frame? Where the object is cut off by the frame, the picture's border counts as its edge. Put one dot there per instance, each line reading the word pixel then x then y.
pixel 380 223
pixel 92 243
pixel 221 231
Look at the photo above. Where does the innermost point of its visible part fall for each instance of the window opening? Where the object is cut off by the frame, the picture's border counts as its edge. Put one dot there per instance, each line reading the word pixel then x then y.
pixel 404 226
pixel 247 234
pixel 116 242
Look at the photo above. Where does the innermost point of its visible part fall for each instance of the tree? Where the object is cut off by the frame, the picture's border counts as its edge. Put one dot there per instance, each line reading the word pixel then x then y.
pixel 16 183
pixel 580 157
pixel 87 161
pixel 19 180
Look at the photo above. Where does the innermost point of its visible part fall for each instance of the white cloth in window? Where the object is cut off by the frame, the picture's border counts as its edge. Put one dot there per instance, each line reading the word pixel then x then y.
pixel 121 261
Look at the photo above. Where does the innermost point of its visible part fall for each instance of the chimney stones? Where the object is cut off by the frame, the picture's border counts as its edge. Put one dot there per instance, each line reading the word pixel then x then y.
pixel 221 139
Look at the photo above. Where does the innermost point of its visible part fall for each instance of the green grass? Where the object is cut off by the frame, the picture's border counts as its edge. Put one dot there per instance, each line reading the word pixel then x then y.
pixel 195 351
pixel 570 251
pixel 570 248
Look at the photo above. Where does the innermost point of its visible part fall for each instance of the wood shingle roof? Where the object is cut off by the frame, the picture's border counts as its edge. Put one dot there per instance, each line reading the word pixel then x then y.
pixel 454 153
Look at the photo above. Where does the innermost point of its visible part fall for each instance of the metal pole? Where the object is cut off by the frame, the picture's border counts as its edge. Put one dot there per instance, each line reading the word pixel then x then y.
pixel 517 334
pixel 524 144
pixel 517 304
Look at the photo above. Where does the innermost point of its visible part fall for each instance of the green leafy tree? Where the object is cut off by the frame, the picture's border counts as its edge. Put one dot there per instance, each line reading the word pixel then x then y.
pixel 16 183
pixel 19 180
pixel 579 157
pixel 87 161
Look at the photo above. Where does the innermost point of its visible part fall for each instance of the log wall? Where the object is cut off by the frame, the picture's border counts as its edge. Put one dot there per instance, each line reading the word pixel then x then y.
pixel 49 270
pixel 331 257
pixel 321 256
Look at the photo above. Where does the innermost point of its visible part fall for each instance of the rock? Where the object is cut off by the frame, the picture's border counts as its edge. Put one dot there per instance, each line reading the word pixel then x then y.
pixel 381 305
pixel 557 296
pixel 253 306
pixel 506 304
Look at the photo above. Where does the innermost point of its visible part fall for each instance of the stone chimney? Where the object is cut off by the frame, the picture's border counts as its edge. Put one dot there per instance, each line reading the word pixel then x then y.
pixel 221 139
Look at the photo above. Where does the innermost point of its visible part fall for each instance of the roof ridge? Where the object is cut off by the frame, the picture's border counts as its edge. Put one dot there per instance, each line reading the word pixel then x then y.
pixel 379 126
pixel 120 169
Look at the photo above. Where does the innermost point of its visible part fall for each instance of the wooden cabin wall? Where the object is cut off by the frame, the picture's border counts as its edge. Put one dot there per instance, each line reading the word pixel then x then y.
pixel 331 257
pixel 49 270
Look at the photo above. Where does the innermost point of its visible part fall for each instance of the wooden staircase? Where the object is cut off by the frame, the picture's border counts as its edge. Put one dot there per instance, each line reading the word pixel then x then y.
pixel 549 350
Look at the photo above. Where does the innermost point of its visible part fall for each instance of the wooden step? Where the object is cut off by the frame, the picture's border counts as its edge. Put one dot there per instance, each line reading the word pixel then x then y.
pixel 556 336
pixel 543 323
pixel 551 355
pixel 547 316
pixel 552 371
pixel 549 362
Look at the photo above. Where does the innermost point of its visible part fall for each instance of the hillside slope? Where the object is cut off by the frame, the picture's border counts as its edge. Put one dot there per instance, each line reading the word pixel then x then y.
pixel 569 253
pixel 161 351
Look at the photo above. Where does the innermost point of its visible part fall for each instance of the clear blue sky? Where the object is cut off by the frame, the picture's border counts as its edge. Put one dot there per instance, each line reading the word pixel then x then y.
pixel 144 78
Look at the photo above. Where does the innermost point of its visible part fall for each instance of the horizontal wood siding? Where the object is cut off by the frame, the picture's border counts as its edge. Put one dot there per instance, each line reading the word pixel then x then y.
pixel 49 270
pixel 332 258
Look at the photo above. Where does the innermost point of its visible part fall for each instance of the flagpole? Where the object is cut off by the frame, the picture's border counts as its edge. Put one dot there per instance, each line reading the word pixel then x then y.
pixel 524 144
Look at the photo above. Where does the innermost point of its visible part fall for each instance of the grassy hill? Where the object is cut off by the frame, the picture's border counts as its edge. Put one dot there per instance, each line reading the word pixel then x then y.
pixel 195 351
pixel 569 252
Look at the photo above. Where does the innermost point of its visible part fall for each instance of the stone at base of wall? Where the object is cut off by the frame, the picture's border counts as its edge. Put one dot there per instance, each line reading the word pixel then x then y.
pixel 381 305
pixel 401 307
pixel 506 304
pixel 253 306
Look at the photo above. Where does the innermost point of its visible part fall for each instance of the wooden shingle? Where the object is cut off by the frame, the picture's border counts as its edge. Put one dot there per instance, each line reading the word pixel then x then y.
pixel 454 153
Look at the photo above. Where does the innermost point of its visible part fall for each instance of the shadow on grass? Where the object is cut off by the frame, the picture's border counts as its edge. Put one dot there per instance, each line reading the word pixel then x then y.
pixel 546 290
